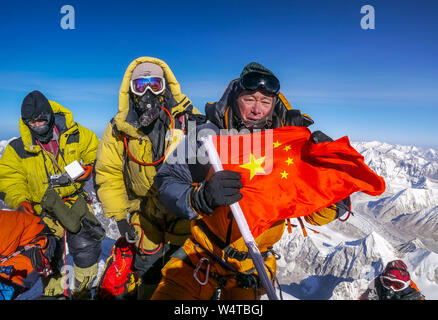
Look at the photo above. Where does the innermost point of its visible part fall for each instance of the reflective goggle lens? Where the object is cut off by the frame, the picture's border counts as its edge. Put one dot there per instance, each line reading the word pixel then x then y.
pixel 395 284
pixel 139 86
pixel 254 81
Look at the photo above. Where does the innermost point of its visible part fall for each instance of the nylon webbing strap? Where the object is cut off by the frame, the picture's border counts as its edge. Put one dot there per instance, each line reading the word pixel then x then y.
pixel 211 235
pixel 182 255
pixel 229 251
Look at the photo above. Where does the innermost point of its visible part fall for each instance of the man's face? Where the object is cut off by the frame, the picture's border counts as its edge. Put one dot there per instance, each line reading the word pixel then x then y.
pixel 37 123
pixel 254 106
pixel 40 126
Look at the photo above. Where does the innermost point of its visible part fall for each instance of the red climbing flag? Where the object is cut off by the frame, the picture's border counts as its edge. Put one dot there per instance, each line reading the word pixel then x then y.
pixel 286 175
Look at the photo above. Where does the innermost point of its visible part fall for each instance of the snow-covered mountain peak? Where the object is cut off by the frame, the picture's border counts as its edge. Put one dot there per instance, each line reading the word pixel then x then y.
pixel 410 246
pixel 431 154
pixel 423 266
pixel 376 247
pixel 407 166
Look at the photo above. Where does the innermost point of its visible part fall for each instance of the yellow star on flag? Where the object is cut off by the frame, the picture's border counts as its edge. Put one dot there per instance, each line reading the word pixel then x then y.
pixel 254 165
pixel 287 148
pixel 284 174
pixel 277 144
pixel 289 161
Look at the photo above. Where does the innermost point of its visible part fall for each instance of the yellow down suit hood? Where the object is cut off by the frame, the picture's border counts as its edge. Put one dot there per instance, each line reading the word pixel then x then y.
pixel 124 184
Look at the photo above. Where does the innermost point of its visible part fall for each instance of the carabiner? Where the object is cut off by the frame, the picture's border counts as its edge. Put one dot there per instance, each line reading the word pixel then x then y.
pixel 207 271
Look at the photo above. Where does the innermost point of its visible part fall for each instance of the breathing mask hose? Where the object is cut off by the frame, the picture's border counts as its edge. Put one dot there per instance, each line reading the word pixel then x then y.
pixel 125 141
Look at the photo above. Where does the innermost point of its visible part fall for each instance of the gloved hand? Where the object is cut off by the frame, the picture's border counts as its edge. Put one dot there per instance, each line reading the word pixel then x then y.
pixel 87 174
pixel 319 136
pixel 26 207
pixel 222 189
pixel 126 230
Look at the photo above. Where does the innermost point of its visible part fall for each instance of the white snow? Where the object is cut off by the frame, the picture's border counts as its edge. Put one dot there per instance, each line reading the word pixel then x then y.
pixel 423 266
pixel 4 143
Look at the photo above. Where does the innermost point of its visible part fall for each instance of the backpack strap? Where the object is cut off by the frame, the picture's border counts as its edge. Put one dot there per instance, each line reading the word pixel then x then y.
pixel 229 252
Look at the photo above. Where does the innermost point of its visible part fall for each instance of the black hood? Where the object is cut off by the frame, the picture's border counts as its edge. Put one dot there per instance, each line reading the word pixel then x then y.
pixel 36 106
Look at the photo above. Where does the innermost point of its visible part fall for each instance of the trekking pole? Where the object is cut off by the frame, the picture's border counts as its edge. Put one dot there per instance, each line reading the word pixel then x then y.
pixel 253 250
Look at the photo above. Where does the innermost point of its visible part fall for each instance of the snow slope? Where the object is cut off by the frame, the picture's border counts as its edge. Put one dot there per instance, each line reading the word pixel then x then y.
pixel 402 223
pixel 336 264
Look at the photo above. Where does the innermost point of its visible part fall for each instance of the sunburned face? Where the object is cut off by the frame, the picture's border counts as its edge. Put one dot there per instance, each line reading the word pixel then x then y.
pixel 254 106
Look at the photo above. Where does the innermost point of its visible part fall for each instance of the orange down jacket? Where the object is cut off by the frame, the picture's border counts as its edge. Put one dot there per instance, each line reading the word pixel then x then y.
pixel 17 230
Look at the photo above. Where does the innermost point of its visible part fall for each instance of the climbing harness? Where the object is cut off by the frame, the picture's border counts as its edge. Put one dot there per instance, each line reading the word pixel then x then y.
pixel 245 280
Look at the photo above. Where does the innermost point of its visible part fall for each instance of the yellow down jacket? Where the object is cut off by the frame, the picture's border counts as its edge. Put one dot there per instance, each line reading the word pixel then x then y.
pixel 123 183
pixel 24 168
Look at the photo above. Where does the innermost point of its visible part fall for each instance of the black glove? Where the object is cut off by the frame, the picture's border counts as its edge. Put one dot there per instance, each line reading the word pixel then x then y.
pixel 126 230
pixel 222 189
pixel 319 136
pixel 412 294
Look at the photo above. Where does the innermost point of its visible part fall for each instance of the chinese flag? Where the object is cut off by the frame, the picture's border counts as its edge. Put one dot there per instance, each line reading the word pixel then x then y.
pixel 286 175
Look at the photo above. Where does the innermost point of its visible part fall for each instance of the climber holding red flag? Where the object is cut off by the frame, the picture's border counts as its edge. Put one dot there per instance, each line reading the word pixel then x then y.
pixel 296 174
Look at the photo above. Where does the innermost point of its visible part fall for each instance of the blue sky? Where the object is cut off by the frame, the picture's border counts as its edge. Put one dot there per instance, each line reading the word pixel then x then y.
pixel 379 84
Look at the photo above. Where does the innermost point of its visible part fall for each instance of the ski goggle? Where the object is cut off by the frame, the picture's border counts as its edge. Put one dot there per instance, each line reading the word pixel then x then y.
pixel 256 81
pixel 395 284
pixel 141 85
